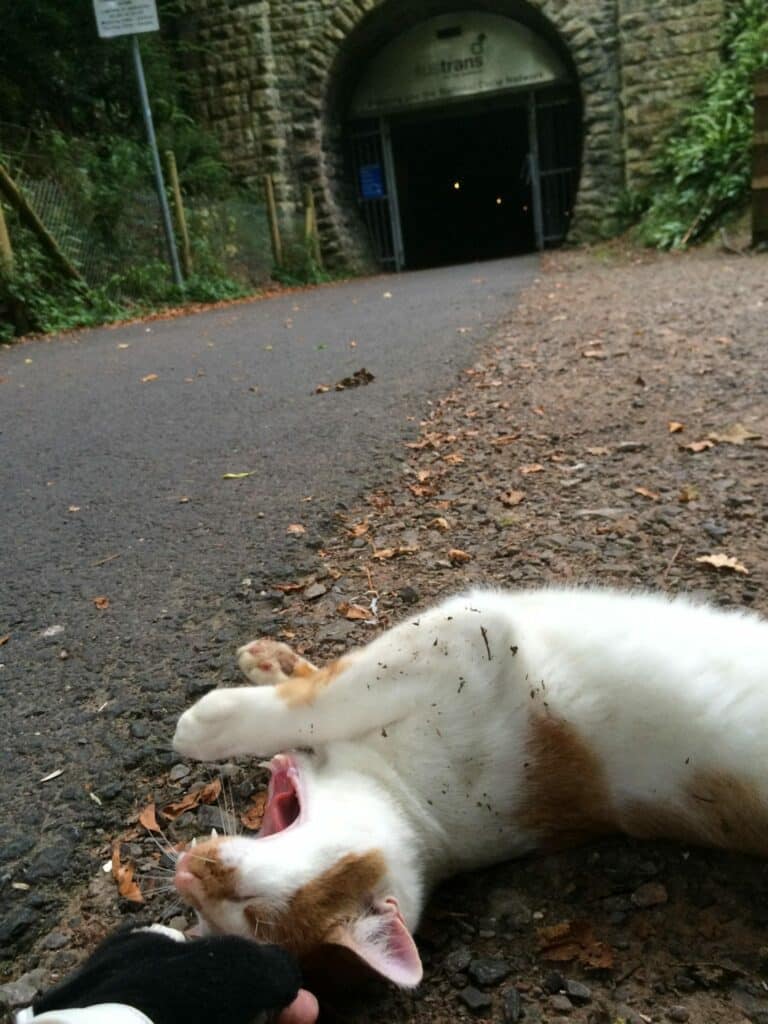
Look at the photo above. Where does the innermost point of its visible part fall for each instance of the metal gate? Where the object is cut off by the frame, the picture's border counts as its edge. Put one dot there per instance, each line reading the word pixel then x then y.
pixel 553 139
pixel 377 190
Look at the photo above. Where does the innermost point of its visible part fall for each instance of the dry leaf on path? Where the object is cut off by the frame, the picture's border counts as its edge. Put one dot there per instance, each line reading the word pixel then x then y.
pixel 645 493
pixel 598 449
pixel 148 378
pixel 594 353
pixel 723 562
pixel 505 439
pixel 512 498
pixel 5 639
pixel 386 553
pixel 148 820
pixel 353 611
pixel 237 476
pixel 697 446
pixel 688 493
pixel 457 556
pixel 574 940
pixel 101 602
pixel 734 433
pixel 295 528
pixel 440 523
pixel 208 794
pixel 531 467
pixel 253 815
pixel 359 529
pixel 123 875
pixel 674 426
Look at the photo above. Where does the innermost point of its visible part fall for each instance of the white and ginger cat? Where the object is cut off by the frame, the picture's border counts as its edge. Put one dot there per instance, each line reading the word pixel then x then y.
pixel 489 726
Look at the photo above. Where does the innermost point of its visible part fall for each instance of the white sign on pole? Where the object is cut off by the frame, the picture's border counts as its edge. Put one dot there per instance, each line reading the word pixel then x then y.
pixel 125 17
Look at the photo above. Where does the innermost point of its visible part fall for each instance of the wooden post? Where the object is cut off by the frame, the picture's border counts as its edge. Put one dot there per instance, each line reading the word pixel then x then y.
pixel 274 226
pixel 18 200
pixel 760 161
pixel 6 251
pixel 311 237
pixel 178 209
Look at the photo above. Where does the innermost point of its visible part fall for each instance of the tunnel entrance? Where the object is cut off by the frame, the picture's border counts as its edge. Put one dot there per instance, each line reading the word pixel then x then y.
pixel 464 143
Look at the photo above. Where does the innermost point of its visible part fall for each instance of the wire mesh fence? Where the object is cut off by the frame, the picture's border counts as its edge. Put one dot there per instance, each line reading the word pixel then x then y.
pixel 229 236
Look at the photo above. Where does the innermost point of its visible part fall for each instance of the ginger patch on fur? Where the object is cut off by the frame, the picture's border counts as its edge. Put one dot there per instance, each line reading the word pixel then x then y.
pixel 304 686
pixel 566 798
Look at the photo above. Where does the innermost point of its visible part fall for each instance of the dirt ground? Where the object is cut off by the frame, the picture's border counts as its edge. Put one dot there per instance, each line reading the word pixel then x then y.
pixel 613 432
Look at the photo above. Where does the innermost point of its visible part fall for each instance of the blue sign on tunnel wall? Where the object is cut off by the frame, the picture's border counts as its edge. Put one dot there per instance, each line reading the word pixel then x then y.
pixel 371 181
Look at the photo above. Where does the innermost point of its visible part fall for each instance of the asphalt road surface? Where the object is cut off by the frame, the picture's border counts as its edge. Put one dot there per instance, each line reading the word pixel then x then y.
pixel 123 546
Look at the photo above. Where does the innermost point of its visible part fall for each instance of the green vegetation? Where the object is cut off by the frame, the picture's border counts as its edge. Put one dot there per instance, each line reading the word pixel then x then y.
pixel 70 120
pixel 703 172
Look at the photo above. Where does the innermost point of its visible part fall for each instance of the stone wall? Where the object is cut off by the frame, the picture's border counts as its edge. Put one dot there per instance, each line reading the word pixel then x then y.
pixel 273 78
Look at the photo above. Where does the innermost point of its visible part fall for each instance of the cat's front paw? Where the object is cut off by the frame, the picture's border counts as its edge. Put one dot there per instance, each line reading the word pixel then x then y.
pixel 206 731
pixel 268 662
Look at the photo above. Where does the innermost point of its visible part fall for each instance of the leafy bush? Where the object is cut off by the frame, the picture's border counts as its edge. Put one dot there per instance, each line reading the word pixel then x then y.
pixel 703 171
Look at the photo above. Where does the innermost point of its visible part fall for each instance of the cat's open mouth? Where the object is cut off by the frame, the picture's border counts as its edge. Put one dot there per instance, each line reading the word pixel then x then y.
pixel 284 799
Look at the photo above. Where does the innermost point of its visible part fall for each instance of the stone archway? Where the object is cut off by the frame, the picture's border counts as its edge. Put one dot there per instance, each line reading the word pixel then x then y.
pixel 353 34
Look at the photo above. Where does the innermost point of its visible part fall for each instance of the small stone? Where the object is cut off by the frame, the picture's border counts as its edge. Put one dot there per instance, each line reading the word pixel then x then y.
pixel 140 730
pixel 55 940
pixel 577 992
pixel 511 1006
pixel 315 590
pixel 560 1003
pixel 554 982
pixel 488 972
pixel 22 991
pixel 474 999
pixel 678 1013
pixel 651 894
pixel 178 772
pixel 457 960
pixel 179 922
pixel 409 595
pixel 209 817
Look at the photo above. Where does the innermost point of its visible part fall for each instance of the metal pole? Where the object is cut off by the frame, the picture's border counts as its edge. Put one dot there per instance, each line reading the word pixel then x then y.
pixel 173 256
pixel 393 206
pixel 535 169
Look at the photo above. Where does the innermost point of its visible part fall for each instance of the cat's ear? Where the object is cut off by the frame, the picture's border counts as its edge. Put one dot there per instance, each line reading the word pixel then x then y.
pixel 381 939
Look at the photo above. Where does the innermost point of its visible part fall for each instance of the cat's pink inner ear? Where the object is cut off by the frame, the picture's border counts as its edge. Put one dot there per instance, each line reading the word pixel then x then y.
pixel 381 939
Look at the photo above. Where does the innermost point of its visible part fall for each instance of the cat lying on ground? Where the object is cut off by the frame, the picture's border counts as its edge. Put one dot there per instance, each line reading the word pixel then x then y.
pixel 153 976
pixel 487 727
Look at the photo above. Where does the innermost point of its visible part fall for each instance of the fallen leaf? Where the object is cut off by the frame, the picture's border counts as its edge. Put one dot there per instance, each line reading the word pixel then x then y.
pixel 454 459
pixel 457 556
pixel 353 611
pixel 238 476
pixel 52 775
pixel 574 940
pixel 645 493
pixel 594 353
pixel 675 427
pixel 355 380
pixel 504 439
pixel 322 388
pixel 5 639
pixel 208 794
pixel 101 602
pixel 123 875
pixel 148 378
pixel 295 528
pixel 148 820
pixel 253 815
pixel 688 493
pixel 599 449
pixel 123 344
pixel 360 529
pixel 387 295
pixel 532 467
pixel 73 508
pixel 440 523
pixel 512 498
pixel 697 446
pixel 290 588
pixel 385 553
pixel 734 433
pixel 184 499
pixel 723 562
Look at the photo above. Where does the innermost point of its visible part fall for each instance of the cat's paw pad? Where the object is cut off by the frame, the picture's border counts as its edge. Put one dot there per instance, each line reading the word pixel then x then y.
pixel 203 731
pixel 269 662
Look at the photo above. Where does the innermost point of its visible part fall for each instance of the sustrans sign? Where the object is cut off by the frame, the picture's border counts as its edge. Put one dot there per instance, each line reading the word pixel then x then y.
pixel 454 56
pixel 125 17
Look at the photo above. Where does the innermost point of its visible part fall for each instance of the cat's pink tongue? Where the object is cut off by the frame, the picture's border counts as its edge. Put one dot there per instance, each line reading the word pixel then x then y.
pixel 303 1010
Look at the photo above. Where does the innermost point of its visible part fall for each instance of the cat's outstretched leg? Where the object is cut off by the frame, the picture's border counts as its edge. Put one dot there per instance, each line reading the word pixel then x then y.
pixel 268 662
pixel 416 663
